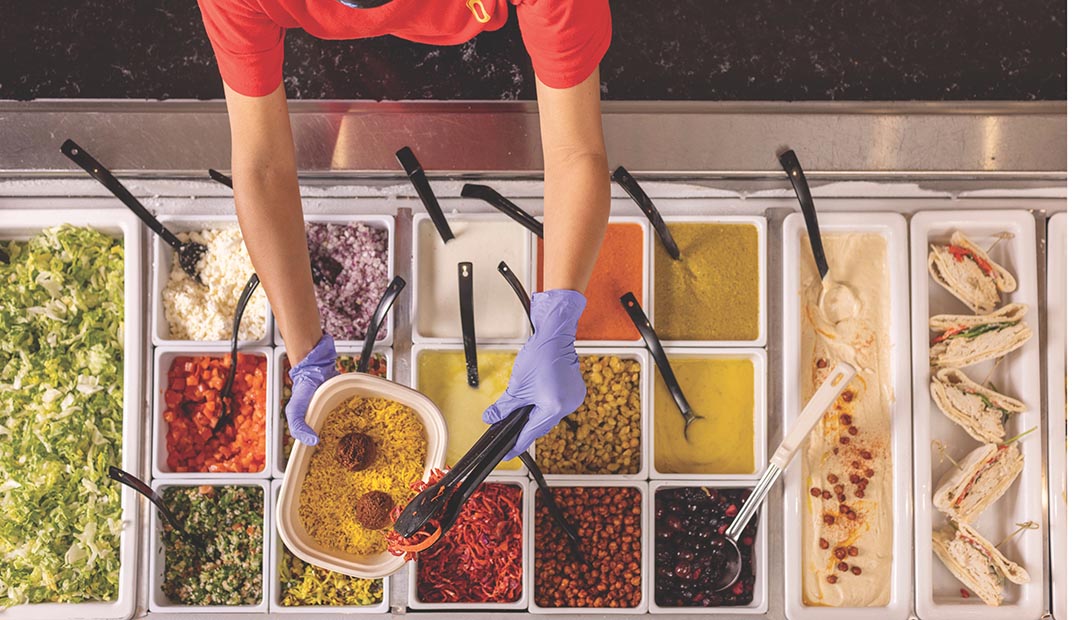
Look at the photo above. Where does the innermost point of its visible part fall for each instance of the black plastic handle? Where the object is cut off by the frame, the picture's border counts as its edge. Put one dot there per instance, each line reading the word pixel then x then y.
pixel 220 177
pixel 470 343
pixel 240 307
pixel 417 176
pixel 144 490
pixel 505 206
pixel 102 175
pixel 792 167
pixel 646 330
pixel 378 319
pixel 517 288
pixel 575 543
pixel 632 187
pixel 446 498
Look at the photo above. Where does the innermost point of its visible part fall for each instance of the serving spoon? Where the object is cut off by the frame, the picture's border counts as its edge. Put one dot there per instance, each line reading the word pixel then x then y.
pixel 831 387
pixel 378 319
pixel 146 491
pixel 837 301
pixel 226 395
pixel 190 253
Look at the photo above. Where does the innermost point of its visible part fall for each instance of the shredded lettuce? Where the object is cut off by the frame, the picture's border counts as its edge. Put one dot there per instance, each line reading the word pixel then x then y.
pixel 61 417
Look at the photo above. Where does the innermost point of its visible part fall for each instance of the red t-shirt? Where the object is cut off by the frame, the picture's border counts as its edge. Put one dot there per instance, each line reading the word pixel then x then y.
pixel 566 39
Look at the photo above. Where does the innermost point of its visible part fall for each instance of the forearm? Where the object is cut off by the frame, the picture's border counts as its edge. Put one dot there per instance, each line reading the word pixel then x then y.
pixel 576 214
pixel 576 182
pixel 271 216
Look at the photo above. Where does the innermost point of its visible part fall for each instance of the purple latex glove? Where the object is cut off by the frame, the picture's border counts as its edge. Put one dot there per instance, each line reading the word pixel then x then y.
pixel 546 373
pixel 306 377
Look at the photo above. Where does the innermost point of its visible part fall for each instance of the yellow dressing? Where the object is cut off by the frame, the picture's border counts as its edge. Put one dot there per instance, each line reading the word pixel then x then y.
pixel 722 391
pixel 442 376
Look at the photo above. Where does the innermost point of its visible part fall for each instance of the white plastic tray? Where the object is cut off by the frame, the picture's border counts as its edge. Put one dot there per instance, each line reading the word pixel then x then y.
pixel 1056 333
pixel 163 357
pixel 276 554
pixel 162 266
pixel 937 590
pixel 525 273
pixel 413 601
pixel 276 391
pixel 894 227
pixel 758 360
pixel 760 603
pixel 646 558
pixel 22 224
pixel 760 225
pixel 329 395
pixel 158 602
pixel 386 223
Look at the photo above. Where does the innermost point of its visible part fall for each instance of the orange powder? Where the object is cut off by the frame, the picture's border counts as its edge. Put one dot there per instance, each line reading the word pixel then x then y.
pixel 619 270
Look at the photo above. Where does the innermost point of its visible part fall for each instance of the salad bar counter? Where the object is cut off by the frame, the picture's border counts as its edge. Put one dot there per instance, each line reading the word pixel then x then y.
pixel 112 355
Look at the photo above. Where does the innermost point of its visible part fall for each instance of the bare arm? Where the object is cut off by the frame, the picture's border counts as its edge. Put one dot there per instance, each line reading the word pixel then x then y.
pixel 271 215
pixel 576 182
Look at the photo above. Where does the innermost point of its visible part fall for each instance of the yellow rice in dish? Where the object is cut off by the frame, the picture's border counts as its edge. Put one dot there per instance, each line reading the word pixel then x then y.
pixel 329 493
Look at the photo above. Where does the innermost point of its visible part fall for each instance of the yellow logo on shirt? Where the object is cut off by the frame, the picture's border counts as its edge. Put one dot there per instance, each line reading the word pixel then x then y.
pixel 479 11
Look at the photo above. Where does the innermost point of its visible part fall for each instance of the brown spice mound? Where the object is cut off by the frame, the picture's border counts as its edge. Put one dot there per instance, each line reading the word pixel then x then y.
pixel 356 451
pixel 373 509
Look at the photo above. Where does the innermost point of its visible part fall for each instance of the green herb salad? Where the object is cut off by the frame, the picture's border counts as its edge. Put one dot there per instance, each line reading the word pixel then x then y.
pixel 61 416
pixel 228 571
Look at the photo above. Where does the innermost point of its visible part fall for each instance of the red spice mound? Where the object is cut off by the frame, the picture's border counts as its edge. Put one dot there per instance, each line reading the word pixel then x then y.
pixel 374 509
pixel 356 452
pixel 193 405
pixel 619 269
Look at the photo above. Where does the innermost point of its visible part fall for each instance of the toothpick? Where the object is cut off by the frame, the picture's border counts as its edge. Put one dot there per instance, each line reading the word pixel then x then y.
pixel 986 381
pixel 1021 435
pixel 1026 525
pixel 1001 236
pixel 940 447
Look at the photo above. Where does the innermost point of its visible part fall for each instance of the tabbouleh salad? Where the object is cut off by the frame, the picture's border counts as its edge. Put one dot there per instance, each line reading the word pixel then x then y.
pixel 229 570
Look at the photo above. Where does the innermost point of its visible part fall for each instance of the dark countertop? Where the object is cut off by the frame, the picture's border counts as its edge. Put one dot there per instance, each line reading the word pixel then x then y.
pixel 769 50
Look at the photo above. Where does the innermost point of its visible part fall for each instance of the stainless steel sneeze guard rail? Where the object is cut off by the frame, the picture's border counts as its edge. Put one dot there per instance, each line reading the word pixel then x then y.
pixel 669 140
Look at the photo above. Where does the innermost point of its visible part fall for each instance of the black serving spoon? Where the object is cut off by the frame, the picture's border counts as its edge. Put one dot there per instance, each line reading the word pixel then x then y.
pixel 470 343
pixel 144 490
pixel 505 206
pixel 646 330
pixel 632 187
pixel 226 395
pixel 417 176
pixel 190 253
pixel 833 291
pixel 378 319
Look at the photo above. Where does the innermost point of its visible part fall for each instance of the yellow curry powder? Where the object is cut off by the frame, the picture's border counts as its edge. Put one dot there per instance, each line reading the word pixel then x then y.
pixel 711 293
pixel 722 391
pixel 329 492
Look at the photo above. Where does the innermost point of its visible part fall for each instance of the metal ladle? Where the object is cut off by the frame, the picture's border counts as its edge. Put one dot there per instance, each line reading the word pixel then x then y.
pixel 834 383
pixel 837 300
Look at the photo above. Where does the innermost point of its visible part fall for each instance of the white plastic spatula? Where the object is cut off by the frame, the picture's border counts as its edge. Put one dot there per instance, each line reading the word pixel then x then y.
pixel 838 378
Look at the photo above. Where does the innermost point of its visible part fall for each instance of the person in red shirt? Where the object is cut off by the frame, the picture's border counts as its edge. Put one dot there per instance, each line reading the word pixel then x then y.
pixel 566 40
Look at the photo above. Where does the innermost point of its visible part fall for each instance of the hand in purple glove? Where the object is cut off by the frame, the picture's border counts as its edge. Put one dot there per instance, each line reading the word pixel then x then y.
pixel 306 377
pixel 546 373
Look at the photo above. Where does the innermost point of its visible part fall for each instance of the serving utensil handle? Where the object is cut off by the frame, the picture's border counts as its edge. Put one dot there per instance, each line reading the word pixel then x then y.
pixel 823 397
pixel 378 319
pixel 505 206
pixel 102 175
pixel 792 167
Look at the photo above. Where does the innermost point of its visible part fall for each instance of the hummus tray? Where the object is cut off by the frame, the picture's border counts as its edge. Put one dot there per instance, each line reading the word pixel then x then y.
pixel 938 592
pixel 821 578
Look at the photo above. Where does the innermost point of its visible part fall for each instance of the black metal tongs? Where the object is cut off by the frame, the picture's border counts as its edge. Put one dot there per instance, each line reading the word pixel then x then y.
pixel 442 501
